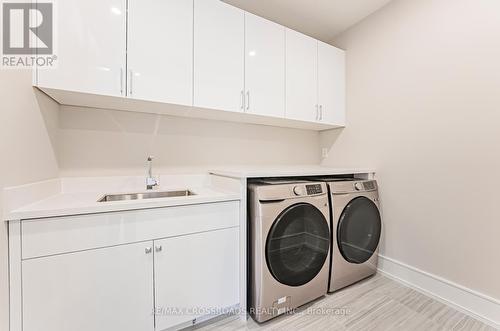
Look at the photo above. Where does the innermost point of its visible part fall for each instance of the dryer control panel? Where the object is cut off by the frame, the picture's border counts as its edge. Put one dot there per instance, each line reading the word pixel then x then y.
pixel 354 186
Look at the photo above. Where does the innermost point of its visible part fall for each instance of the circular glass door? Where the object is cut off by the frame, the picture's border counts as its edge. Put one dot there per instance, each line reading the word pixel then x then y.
pixel 359 229
pixel 298 244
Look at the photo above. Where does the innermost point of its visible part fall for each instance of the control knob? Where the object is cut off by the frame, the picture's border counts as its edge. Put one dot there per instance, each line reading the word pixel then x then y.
pixel 359 186
pixel 299 190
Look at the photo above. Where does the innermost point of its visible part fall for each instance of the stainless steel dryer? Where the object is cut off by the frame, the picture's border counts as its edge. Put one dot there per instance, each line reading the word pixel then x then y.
pixel 356 229
pixel 289 246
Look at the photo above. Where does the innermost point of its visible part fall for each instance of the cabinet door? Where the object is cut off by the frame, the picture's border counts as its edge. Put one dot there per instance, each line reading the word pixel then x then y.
pixel 99 290
pixel 301 77
pixel 91 47
pixel 194 275
pixel 264 66
pixel 160 50
pixel 218 55
pixel 331 84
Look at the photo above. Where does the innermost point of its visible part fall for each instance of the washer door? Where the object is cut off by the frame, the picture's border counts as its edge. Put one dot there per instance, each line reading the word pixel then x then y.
pixel 359 229
pixel 298 244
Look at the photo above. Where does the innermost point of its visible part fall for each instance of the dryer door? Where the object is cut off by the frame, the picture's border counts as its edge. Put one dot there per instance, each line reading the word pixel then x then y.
pixel 359 229
pixel 298 244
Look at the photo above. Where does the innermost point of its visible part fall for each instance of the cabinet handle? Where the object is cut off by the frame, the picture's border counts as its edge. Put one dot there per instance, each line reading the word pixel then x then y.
pixel 317 113
pixel 121 81
pixel 320 112
pixel 248 99
pixel 242 100
pixel 148 250
pixel 131 79
pixel 158 248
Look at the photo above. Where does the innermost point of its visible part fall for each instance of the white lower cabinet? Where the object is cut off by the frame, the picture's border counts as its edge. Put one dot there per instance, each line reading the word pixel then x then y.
pixel 171 266
pixel 99 290
pixel 195 276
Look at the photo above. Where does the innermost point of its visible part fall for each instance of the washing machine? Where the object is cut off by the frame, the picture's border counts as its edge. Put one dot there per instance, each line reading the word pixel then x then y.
pixel 356 229
pixel 288 246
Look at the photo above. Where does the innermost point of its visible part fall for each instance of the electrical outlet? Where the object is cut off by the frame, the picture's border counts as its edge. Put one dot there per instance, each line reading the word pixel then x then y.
pixel 324 153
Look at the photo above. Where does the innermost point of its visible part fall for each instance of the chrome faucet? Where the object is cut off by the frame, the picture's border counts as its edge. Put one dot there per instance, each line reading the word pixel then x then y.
pixel 151 182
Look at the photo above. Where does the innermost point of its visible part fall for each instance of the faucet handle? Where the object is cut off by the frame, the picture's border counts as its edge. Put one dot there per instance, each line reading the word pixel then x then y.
pixel 151 182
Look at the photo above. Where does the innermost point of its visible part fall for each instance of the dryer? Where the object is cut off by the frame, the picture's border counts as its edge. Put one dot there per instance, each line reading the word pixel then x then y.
pixel 356 229
pixel 288 246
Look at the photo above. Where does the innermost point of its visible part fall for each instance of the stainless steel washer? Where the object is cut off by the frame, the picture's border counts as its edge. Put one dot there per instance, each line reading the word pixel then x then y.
pixel 357 227
pixel 289 246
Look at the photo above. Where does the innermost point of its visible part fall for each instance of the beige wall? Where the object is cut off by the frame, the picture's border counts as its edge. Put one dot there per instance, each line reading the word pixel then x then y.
pixel 105 142
pixel 40 140
pixel 424 110
pixel 36 136
pixel 26 151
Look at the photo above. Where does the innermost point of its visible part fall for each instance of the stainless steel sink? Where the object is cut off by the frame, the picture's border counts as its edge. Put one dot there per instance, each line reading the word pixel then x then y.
pixel 147 195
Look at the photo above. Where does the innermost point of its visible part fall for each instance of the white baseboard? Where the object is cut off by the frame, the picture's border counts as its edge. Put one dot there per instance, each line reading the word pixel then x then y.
pixel 478 305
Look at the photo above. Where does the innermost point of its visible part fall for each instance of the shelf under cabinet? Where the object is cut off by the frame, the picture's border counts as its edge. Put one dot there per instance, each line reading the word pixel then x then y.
pixel 79 99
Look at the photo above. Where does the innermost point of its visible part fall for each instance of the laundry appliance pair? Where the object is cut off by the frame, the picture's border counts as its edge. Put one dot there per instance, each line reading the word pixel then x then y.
pixel 307 238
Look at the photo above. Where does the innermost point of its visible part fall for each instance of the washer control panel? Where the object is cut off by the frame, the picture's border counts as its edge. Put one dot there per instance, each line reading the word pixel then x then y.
pixel 314 189
pixel 303 190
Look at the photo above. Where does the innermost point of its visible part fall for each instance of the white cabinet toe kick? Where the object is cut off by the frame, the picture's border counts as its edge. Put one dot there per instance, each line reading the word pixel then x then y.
pixel 155 269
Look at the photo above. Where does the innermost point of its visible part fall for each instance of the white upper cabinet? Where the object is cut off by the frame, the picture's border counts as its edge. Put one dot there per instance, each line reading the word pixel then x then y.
pixel 264 67
pixel 91 48
pixel 225 63
pixel 301 77
pixel 331 84
pixel 218 55
pixel 160 51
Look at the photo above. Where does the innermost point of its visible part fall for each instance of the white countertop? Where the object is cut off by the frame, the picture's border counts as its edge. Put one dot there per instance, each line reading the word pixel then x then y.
pixel 66 204
pixel 77 198
pixel 286 171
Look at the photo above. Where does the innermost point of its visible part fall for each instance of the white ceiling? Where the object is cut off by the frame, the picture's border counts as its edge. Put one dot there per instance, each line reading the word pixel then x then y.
pixel 322 19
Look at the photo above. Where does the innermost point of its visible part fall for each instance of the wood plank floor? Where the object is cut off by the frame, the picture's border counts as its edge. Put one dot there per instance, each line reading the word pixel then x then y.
pixel 377 303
